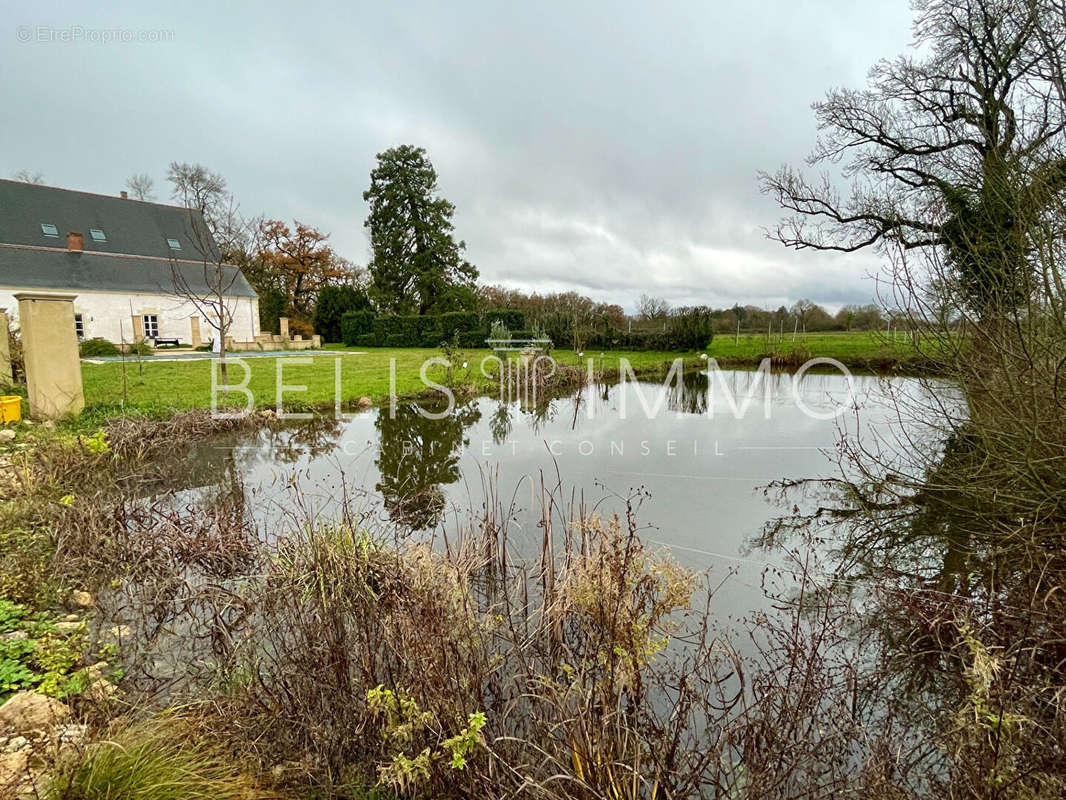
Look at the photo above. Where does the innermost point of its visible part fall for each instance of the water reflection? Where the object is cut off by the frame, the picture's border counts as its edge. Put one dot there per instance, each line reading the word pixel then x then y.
pixel 417 455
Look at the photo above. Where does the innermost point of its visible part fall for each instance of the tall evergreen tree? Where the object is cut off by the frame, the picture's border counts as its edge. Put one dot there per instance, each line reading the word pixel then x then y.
pixel 414 258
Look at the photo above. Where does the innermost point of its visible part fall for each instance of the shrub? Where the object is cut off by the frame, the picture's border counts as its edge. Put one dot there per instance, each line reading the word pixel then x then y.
pixel 499 331
pixel 332 304
pixel 689 328
pixel 97 347
pixel 356 324
pixel 300 327
pixel 141 348
pixel 428 330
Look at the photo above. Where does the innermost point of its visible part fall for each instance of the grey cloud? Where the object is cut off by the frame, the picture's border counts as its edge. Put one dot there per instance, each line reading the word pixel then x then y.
pixel 610 149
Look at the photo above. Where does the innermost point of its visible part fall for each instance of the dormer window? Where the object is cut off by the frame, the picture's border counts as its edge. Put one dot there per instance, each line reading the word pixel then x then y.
pixel 48 229
pixel 98 235
pixel 174 244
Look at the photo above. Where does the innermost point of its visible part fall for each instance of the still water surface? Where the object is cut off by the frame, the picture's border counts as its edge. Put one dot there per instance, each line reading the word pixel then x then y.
pixel 701 470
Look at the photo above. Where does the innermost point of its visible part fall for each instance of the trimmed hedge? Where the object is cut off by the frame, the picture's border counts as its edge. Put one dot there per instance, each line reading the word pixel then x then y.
pixel 514 320
pixel 355 324
pixel 687 329
pixel 364 329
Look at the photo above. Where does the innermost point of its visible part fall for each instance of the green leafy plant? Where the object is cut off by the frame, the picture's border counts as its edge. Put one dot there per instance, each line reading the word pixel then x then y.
pixel 96 444
pixel 405 726
pixel 460 745
pixel 452 353
pixel 35 653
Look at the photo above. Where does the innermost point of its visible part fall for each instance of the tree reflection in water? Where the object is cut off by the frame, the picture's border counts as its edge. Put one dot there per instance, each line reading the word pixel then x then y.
pixel 417 455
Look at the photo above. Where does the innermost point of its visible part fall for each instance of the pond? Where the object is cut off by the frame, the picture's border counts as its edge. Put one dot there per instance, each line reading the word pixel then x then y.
pixel 697 457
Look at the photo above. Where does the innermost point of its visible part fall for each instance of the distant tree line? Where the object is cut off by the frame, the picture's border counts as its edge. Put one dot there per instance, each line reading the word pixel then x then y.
pixel 417 269
pixel 802 315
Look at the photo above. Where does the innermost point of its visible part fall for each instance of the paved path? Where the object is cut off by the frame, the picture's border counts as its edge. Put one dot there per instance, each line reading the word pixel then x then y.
pixel 244 354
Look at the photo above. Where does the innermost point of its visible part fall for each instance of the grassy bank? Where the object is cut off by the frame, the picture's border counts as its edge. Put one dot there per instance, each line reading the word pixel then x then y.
pixel 861 350
pixel 179 385
pixel 164 386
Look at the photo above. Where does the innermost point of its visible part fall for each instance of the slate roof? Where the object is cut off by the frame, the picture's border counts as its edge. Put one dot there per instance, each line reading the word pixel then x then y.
pixel 135 257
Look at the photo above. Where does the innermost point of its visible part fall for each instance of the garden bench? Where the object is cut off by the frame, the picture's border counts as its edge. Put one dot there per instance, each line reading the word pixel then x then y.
pixel 171 342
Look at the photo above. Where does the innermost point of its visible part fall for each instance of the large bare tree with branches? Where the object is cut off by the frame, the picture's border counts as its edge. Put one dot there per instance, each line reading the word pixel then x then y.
pixel 959 148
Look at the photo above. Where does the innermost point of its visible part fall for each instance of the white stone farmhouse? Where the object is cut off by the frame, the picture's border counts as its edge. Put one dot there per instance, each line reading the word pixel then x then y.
pixel 124 259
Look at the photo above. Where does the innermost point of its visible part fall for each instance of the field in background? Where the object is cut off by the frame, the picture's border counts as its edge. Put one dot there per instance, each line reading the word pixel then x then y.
pixel 875 350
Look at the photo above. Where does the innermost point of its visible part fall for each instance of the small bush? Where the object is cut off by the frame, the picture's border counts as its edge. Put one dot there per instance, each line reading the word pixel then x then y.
pixel 499 331
pixel 141 348
pixel 97 347
pixel 300 327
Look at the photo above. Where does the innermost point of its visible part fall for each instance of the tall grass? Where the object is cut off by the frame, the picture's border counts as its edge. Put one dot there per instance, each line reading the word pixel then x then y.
pixel 160 759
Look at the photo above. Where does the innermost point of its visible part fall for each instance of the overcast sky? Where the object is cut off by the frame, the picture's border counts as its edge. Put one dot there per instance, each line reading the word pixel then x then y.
pixel 613 152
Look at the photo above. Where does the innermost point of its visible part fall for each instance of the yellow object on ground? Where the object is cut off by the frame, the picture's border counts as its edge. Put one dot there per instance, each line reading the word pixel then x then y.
pixel 10 408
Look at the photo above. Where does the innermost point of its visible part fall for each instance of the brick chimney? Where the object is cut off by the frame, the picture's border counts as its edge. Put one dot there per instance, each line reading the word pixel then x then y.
pixel 75 242
pixel 124 195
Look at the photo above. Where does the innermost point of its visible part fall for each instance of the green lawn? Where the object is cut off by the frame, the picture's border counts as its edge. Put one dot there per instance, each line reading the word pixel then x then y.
pixel 161 385
pixel 857 349
pixel 166 385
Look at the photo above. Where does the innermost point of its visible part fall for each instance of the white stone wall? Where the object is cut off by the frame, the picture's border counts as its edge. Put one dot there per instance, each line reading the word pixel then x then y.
pixel 109 315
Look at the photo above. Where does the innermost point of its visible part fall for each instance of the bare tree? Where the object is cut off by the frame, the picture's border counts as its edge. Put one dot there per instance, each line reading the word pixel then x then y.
pixel 652 308
pixel 141 186
pixel 208 283
pixel 196 186
pixel 959 150
pixel 28 176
